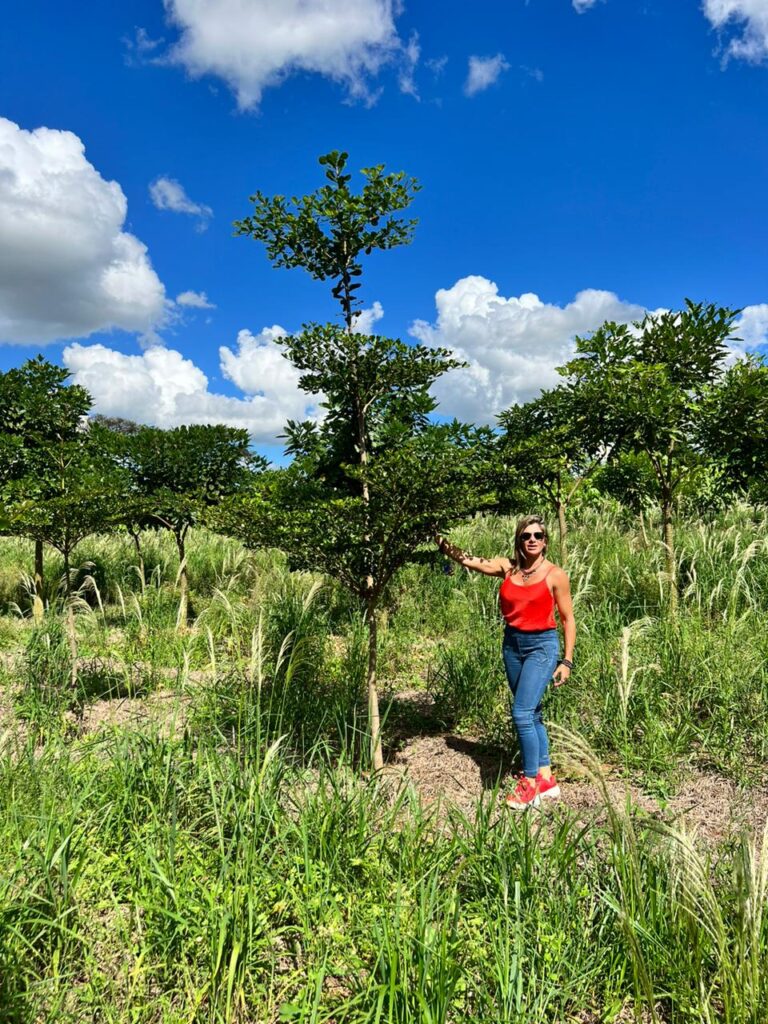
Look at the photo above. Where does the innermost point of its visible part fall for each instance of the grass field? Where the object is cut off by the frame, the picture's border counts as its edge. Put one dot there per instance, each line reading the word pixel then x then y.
pixel 191 833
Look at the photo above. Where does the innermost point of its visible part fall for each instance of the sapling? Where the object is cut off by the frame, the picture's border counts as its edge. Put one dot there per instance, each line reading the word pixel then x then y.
pixel 368 484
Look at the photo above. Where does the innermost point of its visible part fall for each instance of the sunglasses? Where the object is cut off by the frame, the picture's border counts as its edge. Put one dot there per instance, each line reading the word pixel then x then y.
pixel 538 535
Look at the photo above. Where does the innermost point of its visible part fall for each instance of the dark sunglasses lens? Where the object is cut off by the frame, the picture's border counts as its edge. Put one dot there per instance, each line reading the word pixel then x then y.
pixel 532 536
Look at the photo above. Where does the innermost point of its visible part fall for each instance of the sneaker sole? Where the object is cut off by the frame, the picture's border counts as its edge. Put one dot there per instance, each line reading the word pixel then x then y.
pixel 551 794
pixel 536 802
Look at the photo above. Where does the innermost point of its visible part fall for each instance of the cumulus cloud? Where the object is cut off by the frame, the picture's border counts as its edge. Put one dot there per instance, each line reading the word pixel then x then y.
pixel 749 18
pixel 751 328
pixel 483 72
pixel 67 267
pixel 169 194
pixel 255 44
pixel 511 345
pixel 195 300
pixel 580 6
pixel 163 388
pixel 258 360
pixel 367 318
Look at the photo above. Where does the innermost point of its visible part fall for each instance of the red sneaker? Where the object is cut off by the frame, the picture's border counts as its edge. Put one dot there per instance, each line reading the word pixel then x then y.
pixel 524 795
pixel 548 788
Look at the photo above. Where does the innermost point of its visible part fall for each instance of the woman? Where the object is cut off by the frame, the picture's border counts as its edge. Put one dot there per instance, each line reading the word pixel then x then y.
pixel 532 588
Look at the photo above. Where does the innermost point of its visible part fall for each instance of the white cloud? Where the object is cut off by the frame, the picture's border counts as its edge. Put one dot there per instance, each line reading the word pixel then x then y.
pixel 410 58
pixel 169 194
pixel 512 345
pixel 196 300
pixel 580 6
pixel 367 318
pixel 751 328
pixel 483 72
pixel 67 267
pixel 141 48
pixel 750 20
pixel 163 388
pixel 255 44
pixel 437 65
pixel 259 362
pixel 535 73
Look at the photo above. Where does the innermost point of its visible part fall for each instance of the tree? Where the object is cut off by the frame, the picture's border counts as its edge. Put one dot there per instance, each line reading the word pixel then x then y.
pixel 734 425
pixel 646 386
pixel 629 479
pixel 370 483
pixel 135 518
pixel 115 423
pixel 39 412
pixel 327 232
pixel 72 488
pixel 176 474
pixel 552 445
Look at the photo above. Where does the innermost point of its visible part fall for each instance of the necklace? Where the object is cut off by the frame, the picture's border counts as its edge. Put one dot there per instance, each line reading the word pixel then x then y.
pixel 527 573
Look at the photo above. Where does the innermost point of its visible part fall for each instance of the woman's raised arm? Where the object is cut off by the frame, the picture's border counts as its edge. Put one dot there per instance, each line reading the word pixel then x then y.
pixel 487 566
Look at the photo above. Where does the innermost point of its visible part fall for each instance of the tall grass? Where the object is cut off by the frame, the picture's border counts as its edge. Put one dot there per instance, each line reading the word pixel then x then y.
pixel 244 868
pixel 648 692
pixel 150 879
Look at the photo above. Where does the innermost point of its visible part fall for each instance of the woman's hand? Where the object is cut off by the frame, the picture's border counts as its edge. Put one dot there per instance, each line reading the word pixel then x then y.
pixel 445 547
pixel 561 675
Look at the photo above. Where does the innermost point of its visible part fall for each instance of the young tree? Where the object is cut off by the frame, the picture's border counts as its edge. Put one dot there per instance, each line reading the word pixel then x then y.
pixel 177 473
pixel 369 484
pixel 72 488
pixel 552 445
pixel 110 431
pixel 646 387
pixel 734 425
pixel 39 411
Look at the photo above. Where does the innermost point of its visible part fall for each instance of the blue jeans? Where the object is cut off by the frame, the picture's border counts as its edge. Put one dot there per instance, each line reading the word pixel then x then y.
pixel 529 660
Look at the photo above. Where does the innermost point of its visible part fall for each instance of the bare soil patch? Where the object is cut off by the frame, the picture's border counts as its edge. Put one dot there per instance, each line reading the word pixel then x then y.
pixel 450 769
pixel 447 769
pixel 164 708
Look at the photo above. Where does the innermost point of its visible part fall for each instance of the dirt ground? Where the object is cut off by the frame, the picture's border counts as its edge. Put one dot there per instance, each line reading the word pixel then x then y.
pixel 450 769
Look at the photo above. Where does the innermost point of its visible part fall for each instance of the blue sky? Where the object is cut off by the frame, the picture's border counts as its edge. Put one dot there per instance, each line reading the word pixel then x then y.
pixel 579 161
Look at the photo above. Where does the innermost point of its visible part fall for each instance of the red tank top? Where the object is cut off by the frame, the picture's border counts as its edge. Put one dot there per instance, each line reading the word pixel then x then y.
pixel 528 609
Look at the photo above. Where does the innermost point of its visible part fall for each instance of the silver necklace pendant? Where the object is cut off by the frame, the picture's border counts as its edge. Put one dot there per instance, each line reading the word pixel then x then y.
pixel 531 572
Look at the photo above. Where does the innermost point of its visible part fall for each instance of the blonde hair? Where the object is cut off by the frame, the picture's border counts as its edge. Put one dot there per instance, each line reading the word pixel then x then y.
pixel 526 521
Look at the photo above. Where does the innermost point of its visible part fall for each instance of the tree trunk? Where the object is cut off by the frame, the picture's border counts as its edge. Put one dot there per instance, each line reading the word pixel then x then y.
pixel 137 544
pixel 669 550
pixel 374 719
pixel 562 524
pixel 67 584
pixel 72 638
pixel 377 758
pixel 183 616
pixel 39 569
pixel 70 618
